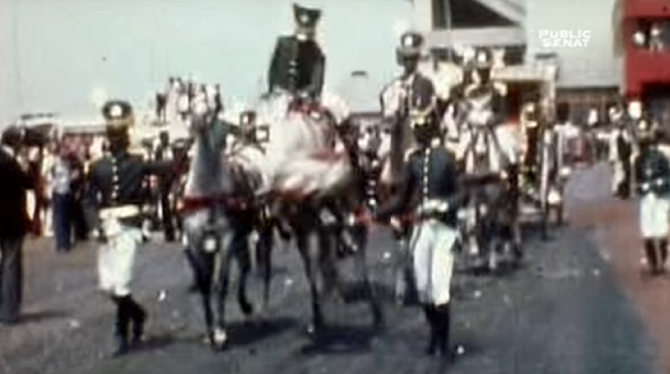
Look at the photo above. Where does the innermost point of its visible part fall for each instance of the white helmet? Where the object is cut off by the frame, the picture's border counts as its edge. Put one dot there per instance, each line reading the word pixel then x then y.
pixel 635 109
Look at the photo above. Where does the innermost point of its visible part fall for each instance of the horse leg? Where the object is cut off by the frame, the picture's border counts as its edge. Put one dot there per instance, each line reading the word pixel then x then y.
pixel 473 227
pixel 361 264
pixel 308 246
pixel 192 260
pixel 202 265
pixel 493 246
pixel 264 255
pixel 225 254
pixel 328 243
pixel 405 289
pixel 241 253
pixel 400 289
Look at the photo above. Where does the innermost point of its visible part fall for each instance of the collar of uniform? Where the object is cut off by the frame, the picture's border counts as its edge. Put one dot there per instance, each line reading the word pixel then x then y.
pixel 409 78
pixel 119 155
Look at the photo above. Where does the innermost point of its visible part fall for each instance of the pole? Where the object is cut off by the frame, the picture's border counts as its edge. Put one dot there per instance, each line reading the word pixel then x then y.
pixel 17 60
pixel 448 23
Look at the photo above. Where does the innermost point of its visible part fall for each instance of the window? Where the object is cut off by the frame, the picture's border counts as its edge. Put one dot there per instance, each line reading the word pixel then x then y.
pixel 465 14
pixel 439 14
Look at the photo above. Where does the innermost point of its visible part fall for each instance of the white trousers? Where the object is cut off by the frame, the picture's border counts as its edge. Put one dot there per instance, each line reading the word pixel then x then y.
pixel 654 214
pixel 432 250
pixel 116 258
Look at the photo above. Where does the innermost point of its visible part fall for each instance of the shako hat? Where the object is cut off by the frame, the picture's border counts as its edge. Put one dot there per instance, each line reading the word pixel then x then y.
pixel 118 114
pixel 306 18
pixel 411 43
pixel 483 58
pixel 247 117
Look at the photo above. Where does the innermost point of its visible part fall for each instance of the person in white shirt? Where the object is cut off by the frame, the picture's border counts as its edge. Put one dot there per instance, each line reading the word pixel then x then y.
pixel 61 200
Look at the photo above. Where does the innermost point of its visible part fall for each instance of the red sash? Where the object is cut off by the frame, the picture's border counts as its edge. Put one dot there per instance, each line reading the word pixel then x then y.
pixel 192 204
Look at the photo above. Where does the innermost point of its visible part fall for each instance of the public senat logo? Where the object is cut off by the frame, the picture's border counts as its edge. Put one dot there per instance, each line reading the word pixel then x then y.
pixel 565 38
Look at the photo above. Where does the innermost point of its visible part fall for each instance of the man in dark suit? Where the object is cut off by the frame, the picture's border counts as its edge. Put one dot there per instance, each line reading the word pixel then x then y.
pixel 164 153
pixel 14 224
pixel 298 63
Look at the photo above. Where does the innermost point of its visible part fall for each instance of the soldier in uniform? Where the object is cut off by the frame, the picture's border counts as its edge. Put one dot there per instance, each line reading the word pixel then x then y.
pixel 298 64
pixel 530 127
pixel 621 149
pixel 431 191
pixel 247 126
pixel 485 106
pixel 116 190
pixel 652 176
pixel 416 93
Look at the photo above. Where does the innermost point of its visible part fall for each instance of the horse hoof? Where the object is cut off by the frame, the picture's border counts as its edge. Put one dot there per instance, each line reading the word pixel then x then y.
pixel 378 320
pixel 219 340
pixel 247 308
pixel 314 329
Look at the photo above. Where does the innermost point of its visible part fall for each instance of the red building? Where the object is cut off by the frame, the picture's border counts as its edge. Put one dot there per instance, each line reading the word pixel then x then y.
pixel 647 61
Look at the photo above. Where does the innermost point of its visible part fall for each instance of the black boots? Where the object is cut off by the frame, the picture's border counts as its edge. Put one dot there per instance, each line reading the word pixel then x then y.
pixel 430 313
pixel 656 252
pixel 439 320
pixel 662 254
pixel 128 313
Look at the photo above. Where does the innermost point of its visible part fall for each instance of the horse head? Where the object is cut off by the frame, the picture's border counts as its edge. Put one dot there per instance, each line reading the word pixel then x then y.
pixel 207 175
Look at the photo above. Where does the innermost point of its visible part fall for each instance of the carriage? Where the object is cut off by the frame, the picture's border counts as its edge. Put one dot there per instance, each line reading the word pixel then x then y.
pixel 543 192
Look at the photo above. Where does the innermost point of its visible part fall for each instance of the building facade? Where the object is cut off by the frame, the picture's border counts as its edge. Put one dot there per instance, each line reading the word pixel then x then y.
pixel 589 77
pixel 646 35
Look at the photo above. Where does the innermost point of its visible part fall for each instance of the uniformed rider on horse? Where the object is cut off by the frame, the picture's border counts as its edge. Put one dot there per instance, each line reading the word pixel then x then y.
pixel 485 107
pixel 116 191
pixel 298 64
pixel 415 93
pixel 652 176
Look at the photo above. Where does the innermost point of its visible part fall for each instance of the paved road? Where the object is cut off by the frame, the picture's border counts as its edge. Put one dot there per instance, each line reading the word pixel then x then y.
pixel 563 312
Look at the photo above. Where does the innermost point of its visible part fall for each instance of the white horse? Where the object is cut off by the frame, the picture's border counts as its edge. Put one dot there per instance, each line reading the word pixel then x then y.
pixel 209 228
pixel 300 166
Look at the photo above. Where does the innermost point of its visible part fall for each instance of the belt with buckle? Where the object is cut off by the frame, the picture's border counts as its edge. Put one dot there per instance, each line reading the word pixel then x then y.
pixel 431 209
pixel 124 211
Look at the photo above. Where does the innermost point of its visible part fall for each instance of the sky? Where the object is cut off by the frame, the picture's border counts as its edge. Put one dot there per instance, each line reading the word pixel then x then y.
pixel 58 55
